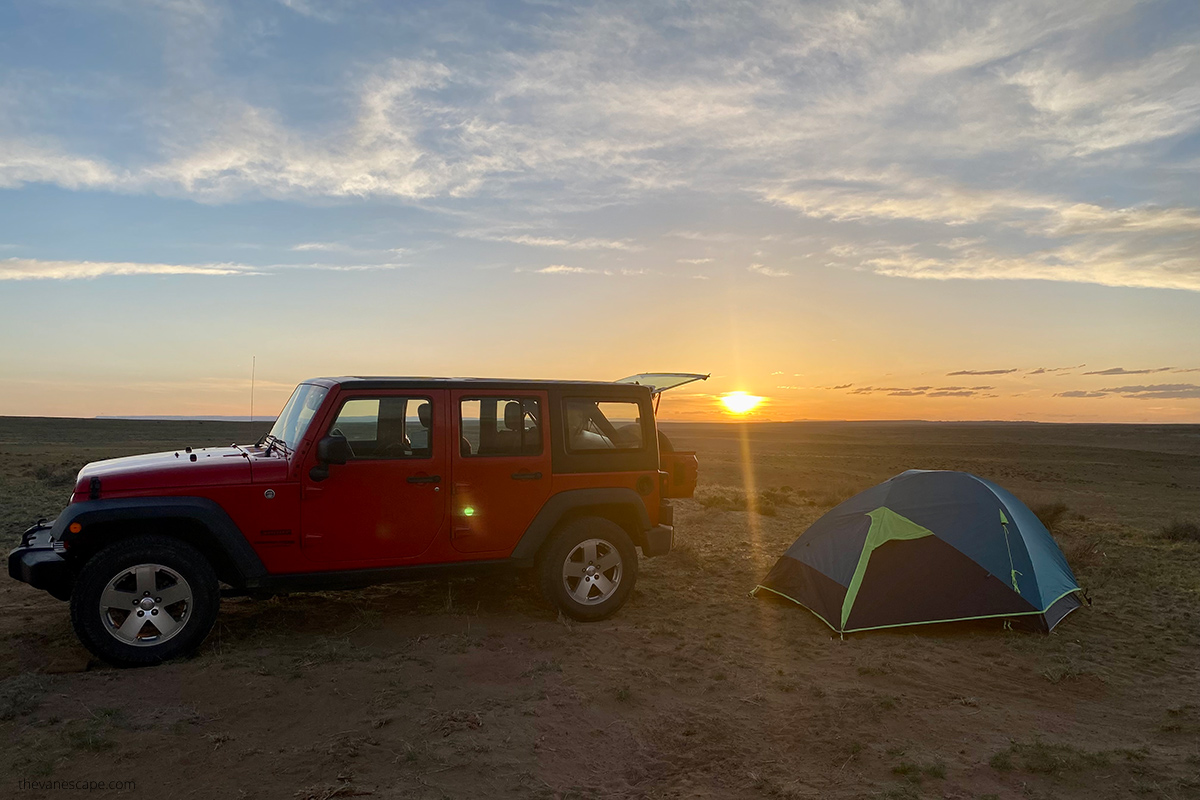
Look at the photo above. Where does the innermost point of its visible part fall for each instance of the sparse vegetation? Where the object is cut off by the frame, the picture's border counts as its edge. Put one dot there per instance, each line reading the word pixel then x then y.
pixel 1051 514
pixel 1181 531
pixel 20 695
pixel 915 773
pixel 395 690
pixel 1047 758
pixel 769 501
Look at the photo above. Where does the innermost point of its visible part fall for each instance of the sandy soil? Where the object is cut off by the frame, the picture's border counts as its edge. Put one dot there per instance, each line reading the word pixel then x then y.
pixel 472 687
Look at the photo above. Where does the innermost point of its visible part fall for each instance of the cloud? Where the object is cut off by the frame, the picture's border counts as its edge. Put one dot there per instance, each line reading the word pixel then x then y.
pixel 1052 370
pixel 318 246
pixel 693 260
pixel 1161 391
pixel 23 269
pixel 552 241
pixel 313 10
pixel 981 372
pixel 1081 393
pixel 922 391
pixel 563 269
pixel 999 124
pixel 1134 262
pixel 768 271
pixel 1123 371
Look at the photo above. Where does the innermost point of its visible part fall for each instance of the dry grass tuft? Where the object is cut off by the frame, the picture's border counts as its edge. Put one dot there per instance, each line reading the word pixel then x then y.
pixel 1181 531
pixel 1051 514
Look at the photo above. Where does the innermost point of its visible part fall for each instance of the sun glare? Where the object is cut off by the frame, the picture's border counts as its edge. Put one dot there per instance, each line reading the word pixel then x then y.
pixel 740 402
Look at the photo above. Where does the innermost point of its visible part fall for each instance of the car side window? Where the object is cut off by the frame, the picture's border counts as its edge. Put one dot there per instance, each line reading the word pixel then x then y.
pixel 500 426
pixel 598 425
pixel 387 427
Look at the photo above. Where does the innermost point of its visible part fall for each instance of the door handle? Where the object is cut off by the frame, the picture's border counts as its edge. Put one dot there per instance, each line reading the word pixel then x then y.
pixel 527 476
pixel 425 479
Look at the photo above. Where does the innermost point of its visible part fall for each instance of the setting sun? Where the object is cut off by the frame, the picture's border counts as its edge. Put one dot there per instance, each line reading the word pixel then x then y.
pixel 740 402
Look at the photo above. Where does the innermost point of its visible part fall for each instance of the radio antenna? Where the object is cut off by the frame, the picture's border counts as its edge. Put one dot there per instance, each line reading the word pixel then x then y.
pixel 253 363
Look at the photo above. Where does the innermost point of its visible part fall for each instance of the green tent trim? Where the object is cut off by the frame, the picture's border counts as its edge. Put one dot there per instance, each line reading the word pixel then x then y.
pixel 909 624
pixel 886 526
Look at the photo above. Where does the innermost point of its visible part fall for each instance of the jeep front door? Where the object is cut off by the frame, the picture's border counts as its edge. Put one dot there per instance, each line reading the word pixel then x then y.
pixel 501 469
pixel 388 502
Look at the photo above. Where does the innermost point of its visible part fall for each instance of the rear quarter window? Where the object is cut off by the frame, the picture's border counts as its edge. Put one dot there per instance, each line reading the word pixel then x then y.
pixel 594 426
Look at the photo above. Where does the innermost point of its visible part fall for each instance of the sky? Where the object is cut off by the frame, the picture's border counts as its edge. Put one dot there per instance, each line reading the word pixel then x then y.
pixel 856 210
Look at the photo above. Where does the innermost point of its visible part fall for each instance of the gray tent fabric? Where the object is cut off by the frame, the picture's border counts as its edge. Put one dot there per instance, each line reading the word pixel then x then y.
pixel 927 546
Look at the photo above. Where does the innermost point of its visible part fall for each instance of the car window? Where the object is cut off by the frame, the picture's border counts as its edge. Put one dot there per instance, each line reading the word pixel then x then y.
pixel 594 425
pixel 299 411
pixel 500 426
pixel 387 427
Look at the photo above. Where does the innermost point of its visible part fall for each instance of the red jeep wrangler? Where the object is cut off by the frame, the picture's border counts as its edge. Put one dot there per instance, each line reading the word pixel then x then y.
pixel 362 481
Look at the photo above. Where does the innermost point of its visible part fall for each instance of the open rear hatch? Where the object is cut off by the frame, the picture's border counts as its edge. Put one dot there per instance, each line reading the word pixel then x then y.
pixel 679 467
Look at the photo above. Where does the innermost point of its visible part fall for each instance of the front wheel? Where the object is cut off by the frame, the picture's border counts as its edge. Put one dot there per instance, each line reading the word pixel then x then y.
pixel 588 568
pixel 143 600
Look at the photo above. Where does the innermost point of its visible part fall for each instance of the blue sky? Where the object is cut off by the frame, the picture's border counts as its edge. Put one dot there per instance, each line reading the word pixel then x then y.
pixel 793 196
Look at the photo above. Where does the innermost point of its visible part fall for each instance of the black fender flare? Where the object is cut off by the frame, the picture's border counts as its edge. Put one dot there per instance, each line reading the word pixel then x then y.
pixel 219 530
pixel 563 504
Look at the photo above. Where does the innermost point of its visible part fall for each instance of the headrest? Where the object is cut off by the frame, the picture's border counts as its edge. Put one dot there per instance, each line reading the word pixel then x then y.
pixel 425 415
pixel 514 417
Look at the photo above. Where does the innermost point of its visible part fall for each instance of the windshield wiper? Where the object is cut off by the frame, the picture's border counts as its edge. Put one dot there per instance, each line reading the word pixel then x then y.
pixel 272 441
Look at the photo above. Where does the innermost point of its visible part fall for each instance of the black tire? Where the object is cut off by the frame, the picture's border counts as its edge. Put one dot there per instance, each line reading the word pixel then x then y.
pixel 194 617
pixel 563 544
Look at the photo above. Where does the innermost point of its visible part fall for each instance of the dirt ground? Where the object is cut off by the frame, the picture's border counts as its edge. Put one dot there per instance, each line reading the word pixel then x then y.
pixel 473 687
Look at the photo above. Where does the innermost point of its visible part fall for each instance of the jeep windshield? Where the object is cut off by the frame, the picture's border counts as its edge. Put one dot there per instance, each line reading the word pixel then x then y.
pixel 293 420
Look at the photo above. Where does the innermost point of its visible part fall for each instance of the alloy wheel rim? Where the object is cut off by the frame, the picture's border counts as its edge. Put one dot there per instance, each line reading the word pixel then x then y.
pixel 145 605
pixel 592 571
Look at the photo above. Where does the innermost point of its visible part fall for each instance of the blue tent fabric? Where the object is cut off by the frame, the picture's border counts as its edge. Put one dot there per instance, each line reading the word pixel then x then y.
pixel 973 516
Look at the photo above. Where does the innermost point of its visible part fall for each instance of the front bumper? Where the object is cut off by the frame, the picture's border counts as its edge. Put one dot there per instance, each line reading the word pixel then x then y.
pixel 39 562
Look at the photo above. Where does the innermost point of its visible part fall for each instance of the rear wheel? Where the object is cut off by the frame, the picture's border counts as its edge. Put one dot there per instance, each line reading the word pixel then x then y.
pixel 144 600
pixel 588 568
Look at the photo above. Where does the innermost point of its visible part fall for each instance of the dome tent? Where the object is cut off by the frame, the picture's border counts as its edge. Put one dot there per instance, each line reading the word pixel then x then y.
pixel 927 546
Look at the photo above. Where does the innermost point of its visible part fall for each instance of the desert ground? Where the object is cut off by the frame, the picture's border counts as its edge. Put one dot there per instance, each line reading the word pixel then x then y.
pixel 474 687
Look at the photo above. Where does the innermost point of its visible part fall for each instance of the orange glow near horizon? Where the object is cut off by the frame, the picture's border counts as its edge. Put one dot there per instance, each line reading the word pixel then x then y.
pixel 740 402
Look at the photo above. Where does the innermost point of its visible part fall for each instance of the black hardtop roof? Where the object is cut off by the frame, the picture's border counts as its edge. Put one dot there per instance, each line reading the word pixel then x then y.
pixel 417 381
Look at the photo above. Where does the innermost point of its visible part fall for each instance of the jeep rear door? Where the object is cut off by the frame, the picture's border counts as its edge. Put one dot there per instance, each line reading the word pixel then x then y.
pixel 501 467
pixel 387 503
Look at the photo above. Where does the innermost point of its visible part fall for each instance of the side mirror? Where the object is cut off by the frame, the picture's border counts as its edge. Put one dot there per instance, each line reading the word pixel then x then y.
pixel 334 449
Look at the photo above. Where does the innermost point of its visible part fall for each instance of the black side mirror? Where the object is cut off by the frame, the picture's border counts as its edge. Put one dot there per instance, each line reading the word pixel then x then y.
pixel 334 449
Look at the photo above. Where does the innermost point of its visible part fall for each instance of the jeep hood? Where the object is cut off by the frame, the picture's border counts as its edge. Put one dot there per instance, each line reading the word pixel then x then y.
pixel 207 466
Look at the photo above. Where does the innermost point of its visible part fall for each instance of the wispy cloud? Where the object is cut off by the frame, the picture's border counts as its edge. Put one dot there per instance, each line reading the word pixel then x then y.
pixel 693 260
pixel 922 391
pixel 1053 370
pixel 770 272
pixel 989 119
pixel 530 240
pixel 24 269
pixel 562 269
pixel 1161 391
pixel 982 372
pixel 1123 371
